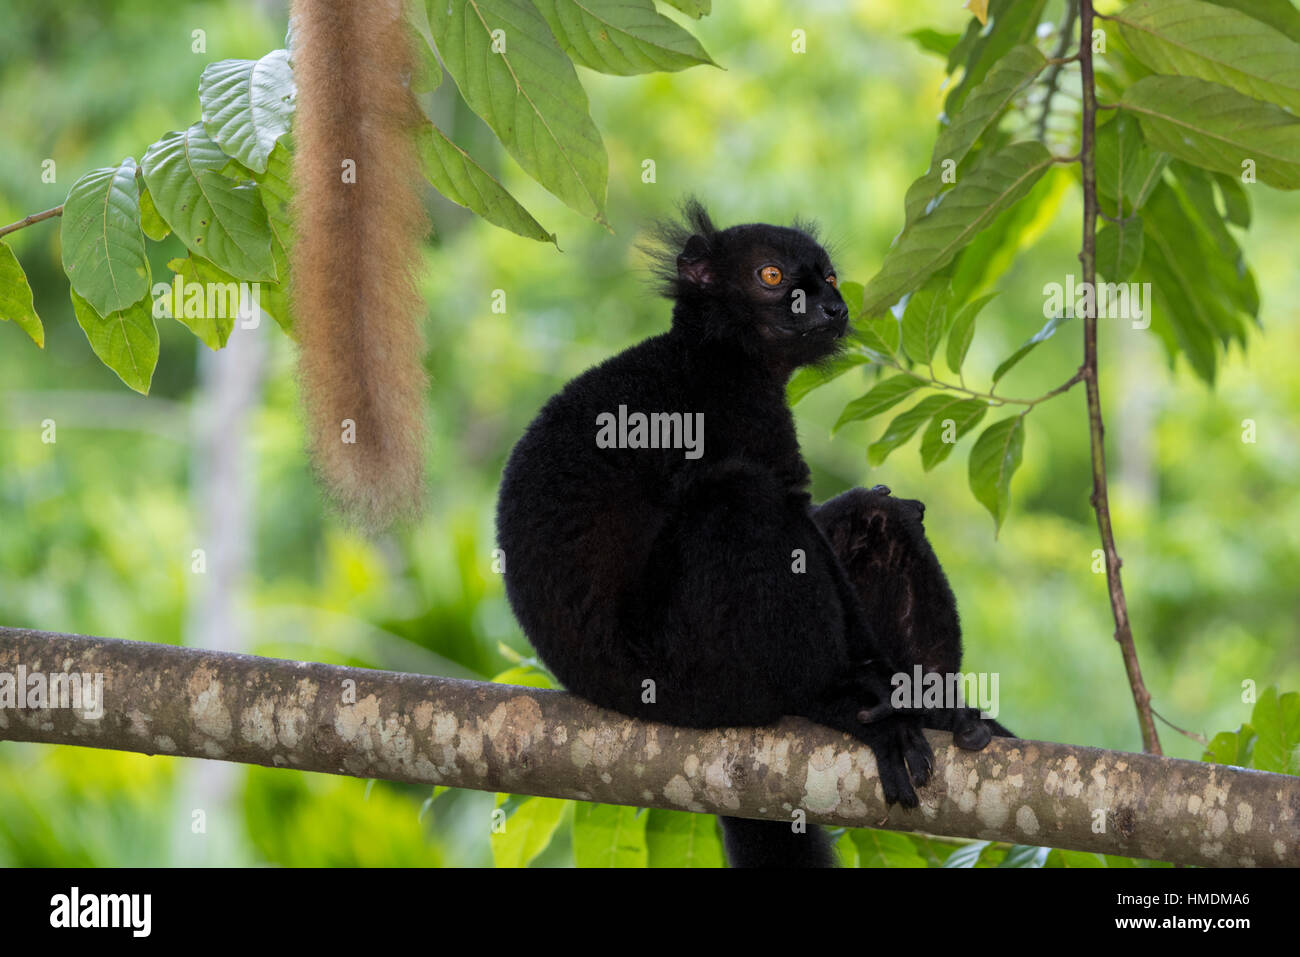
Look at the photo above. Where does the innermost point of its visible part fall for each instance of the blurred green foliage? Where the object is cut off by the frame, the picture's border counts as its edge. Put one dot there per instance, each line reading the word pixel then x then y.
pixel 96 530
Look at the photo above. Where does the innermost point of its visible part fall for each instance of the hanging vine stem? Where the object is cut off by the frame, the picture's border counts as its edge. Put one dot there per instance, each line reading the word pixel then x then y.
pixel 1097 431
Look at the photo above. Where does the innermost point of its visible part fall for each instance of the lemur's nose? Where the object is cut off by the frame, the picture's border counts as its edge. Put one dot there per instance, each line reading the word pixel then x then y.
pixel 835 310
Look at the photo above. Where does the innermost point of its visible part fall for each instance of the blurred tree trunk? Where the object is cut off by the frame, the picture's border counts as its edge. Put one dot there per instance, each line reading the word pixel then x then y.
pixel 222 482
pixel 1139 362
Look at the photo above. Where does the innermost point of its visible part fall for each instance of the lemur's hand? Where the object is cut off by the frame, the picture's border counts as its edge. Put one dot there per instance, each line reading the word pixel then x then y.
pixel 904 759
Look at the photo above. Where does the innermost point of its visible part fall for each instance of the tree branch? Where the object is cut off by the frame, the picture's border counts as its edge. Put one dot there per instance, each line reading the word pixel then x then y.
pixel 161 699
pixel 1096 428
pixel 28 220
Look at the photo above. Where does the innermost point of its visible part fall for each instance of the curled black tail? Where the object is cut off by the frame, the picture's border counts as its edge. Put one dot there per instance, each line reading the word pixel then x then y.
pixel 774 844
pixel 1000 730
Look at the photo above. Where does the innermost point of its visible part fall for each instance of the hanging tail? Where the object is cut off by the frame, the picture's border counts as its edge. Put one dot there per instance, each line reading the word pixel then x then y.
pixel 359 222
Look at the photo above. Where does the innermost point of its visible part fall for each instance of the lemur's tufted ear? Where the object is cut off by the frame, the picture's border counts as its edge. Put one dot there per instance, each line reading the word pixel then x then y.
pixel 694 265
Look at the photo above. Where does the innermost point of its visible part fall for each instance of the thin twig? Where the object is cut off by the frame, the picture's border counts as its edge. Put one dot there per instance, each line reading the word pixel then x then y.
pixel 1198 738
pixel 997 400
pixel 1096 428
pixel 28 220
pixel 1058 61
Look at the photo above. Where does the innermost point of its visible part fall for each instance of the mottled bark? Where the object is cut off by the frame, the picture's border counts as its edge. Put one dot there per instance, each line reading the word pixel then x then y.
pixel 160 699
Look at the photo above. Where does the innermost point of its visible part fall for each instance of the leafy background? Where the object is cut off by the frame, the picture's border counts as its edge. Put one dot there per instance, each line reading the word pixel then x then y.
pixel 98 528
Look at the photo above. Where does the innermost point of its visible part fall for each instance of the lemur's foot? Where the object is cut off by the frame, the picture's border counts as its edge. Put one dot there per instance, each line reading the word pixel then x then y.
pixel 970 732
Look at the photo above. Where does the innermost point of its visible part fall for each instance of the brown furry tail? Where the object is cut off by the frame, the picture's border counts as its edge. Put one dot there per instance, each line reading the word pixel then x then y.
pixel 359 223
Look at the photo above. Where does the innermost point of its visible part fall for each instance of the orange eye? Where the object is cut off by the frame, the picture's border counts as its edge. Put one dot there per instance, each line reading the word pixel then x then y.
pixel 770 275
pixel 835 283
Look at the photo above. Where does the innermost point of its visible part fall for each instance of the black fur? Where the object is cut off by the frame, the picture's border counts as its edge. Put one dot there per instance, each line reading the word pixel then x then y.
pixel 628 565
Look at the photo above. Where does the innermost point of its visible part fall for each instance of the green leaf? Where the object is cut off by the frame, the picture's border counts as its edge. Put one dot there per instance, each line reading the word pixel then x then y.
pixel 275 295
pixel 931 242
pixel 993 461
pixel 1196 189
pixel 1217 128
pixel 210 300
pixel 1224 275
pixel 1010 22
pixel 1058 858
pixel 990 254
pixel 276 190
pixel 215 217
pixel 851 293
pixel 275 185
pixel 247 105
pixel 1232 747
pixel 904 426
pixel 1192 38
pixel 1276 720
pixel 962 50
pixel 846 852
pixel 964 416
pixel 1119 248
pixel 1200 296
pixel 933 41
pixel 1075 859
pixel 882 335
pixel 1127 170
pixel 126 340
pixel 963 331
pixel 1042 335
pixel 1181 320
pixel 454 173
pixel 1024 855
pixel 1281 15
pixel 692 8
pixel 879 335
pixel 1225 268
pixel 1235 202
pixel 968 855
pixel 886 849
pixel 527 92
pixel 608 835
pixel 1012 73
pixel 925 319
pixel 622 37
pixel 16 303
pixel 1269 742
pixel 812 377
pixel 525 675
pixel 103 247
pixel 233 169
pixel 151 224
pixel 883 395
pixel 935 850
pixel 426 75
pixel 528 830
pixel 682 839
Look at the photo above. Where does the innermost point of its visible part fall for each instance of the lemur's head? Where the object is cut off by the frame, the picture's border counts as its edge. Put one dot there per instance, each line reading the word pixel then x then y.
pixel 770 289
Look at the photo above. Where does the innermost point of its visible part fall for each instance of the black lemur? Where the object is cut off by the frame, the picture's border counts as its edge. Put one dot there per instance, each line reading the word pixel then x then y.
pixel 668 547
